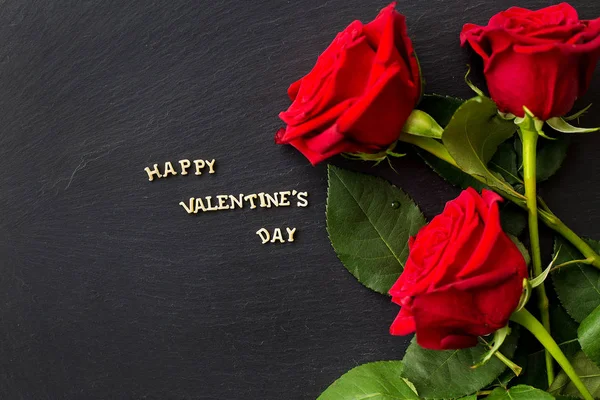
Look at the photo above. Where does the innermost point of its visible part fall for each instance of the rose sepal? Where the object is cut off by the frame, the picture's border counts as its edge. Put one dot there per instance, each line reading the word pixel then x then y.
pixel 525 296
pixel 561 125
pixel 538 280
pixel 577 114
pixel 506 116
pixel 493 350
pixel 474 88
pixel 419 123
pixel 376 157
pixel 531 123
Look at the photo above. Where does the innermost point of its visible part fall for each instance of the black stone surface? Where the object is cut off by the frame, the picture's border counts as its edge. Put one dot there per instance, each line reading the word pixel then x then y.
pixel 108 289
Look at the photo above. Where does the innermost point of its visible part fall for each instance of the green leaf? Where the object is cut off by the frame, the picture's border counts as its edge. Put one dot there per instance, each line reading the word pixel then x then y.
pixel 559 124
pixel 505 162
pixel 577 285
pixel 505 378
pixel 564 330
pixel 448 374
pixel 450 173
pixel 473 136
pixel 376 381
pixel 519 392
pixel 587 371
pixel 589 333
pixel 513 219
pixel 507 159
pixel 471 397
pixel 441 108
pixel 550 156
pixel 369 223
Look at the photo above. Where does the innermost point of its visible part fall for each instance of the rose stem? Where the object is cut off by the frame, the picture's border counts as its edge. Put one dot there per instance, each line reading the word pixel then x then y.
pixel 529 322
pixel 529 139
pixel 557 225
pixel 431 146
pixel 548 218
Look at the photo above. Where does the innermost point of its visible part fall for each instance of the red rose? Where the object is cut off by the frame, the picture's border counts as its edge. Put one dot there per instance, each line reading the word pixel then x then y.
pixel 543 59
pixel 463 278
pixel 359 94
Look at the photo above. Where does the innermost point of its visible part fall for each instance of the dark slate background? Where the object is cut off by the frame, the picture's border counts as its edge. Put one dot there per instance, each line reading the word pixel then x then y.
pixel 108 289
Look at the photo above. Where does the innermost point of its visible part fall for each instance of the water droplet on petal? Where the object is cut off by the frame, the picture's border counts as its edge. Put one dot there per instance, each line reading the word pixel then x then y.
pixel 395 205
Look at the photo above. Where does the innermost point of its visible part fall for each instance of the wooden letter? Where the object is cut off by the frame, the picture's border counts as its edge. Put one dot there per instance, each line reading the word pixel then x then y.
pixel 169 169
pixel 264 235
pixel 185 164
pixel 199 165
pixel 191 209
pixel 211 165
pixel 152 172
pixel 290 233
pixel 302 201
pixel 277 236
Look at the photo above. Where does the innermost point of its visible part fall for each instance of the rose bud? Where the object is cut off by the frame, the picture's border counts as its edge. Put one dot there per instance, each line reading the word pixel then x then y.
pixel 543 60
pixel 359 94
pixel 463 277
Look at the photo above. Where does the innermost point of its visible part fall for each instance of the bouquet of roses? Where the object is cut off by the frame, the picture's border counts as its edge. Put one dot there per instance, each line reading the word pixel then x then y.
pixel 464 280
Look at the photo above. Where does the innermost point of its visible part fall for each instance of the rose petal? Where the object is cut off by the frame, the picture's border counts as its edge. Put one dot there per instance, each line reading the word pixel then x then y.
pixel 404 324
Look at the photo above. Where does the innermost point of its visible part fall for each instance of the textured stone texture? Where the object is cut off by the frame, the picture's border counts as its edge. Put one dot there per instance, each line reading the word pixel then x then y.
pixel 108 289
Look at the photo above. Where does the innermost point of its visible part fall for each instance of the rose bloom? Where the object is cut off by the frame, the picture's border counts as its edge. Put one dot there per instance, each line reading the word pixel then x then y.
pixel 359 94
pixel 463 277
pixel 543 59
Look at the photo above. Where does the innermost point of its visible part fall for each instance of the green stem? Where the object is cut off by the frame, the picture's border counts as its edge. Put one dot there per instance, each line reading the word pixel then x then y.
pixel 516 369
pixel 528 321
pixel 553 222
pixel 547 217
pixel 529 139
pixel 431 146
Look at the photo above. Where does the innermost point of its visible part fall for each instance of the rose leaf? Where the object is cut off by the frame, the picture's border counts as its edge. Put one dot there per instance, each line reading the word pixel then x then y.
pixel 472 137
pixel 587 371
pixel 450 173
pixel 519 392
pixel 441 108
pixel 577 285
pixel 513 219
pixel 369 223
pixel 505 163
pixel 377 381
pixel 588 333
pixel 550 156
pixel 448 374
